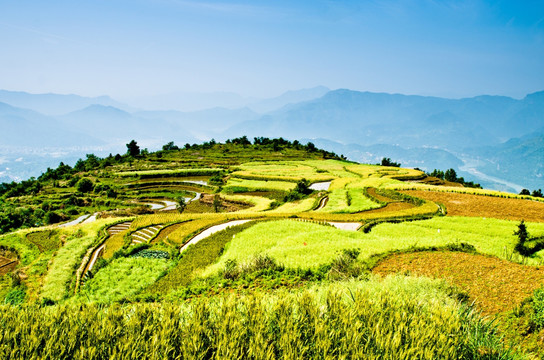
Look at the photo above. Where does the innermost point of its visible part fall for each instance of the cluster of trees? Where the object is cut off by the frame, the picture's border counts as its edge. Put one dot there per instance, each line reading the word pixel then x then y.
pixel 535 193
pixel 388 162
pixel 299 192
pixel 451 175
pixel 276 144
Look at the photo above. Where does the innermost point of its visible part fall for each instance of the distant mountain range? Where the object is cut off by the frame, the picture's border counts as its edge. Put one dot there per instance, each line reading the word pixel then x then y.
pixel 495 140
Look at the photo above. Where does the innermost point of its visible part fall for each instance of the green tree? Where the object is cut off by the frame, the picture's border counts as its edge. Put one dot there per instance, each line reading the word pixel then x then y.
pixel 525 192
pixel 84 185
pixel 523 235
pixel 133 149
pixel 387 162
pixel 216 203
pixel 170 146
pixel 303 187
pixel 450 175
pixel 181 204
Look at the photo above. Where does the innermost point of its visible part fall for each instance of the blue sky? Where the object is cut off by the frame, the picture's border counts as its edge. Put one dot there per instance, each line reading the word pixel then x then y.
pixel 263 48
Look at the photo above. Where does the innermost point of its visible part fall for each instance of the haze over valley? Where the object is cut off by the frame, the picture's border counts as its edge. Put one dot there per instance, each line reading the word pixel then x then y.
pixel 496 141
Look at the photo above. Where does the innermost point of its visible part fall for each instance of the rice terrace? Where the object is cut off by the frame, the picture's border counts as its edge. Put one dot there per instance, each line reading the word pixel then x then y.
pixel 268 249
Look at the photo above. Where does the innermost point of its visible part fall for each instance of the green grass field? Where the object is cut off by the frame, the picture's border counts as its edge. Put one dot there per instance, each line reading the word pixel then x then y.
pixel 122 278
pixel 307 245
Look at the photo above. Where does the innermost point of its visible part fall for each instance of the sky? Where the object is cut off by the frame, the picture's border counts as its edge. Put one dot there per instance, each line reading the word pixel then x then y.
pixel 135 48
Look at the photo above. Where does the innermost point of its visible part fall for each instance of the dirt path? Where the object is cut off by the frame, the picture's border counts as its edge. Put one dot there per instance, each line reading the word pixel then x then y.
pixel 212 230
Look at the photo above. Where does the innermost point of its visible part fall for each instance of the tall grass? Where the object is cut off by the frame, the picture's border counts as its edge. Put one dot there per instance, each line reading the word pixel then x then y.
pixel 396 319
pixel 122 278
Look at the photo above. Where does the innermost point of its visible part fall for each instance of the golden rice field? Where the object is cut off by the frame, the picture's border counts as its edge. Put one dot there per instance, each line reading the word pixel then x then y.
pixel 494 284
pixel 458 204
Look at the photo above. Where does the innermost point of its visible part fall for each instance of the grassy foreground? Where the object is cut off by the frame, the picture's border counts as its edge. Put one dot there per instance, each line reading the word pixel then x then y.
pixel 397 318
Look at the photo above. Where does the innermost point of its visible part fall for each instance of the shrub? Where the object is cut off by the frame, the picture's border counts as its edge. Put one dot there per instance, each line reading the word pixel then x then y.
pixel 84 185
pixel 538 308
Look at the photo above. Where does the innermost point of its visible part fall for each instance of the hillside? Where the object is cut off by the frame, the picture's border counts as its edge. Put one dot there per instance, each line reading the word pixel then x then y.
pixel 470 134
pixel 243 249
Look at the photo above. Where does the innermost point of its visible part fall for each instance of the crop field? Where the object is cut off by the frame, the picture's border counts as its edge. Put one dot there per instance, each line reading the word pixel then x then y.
pixel 495 285
pixel 295 207
pixel 169 172
pixel 122 278
pixel 458 204
pixel 253 185
pixel 286 171
pixel 406 186
pixel 287 284
pixel 357 320
pixel 46 240
pixel 306 245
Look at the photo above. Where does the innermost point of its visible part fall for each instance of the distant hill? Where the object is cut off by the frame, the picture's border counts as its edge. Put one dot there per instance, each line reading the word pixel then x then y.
pixel 207 122
pixel 114 125
pixel 55 104
pixel 411 121
pixel 380 124
pixel 289 97
pixel 489 137
pixel 520 160
pixel 27 128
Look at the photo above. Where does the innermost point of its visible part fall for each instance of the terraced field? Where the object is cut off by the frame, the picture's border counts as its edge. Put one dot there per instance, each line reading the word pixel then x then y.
pixel 495 285
pixel 284 226
pixel 485 206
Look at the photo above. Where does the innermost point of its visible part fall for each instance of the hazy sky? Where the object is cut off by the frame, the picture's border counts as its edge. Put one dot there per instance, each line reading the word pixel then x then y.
pixel 257 48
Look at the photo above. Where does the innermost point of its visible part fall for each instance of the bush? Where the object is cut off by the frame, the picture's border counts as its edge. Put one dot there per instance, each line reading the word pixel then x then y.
pixel 538 308
pixel 15 296
pixel 84 185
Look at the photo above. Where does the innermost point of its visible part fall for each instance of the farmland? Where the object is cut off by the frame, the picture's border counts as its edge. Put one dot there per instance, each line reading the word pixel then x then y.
pixel 458 204
pixel 291 253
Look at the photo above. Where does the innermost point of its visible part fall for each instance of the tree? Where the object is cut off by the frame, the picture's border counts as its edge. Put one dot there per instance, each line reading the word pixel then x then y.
pixel 303 187
pixel 170 146
pixel 216 203
pixel 388 162
pixel 84 185
pixel 450 175
pixel 525 192
pixel 437 174
pixel 537 193
pixel 133 149
pixel 523 235
pixel 181 204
